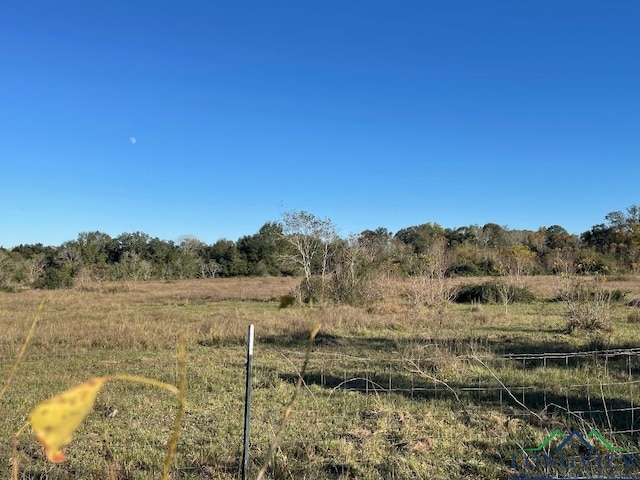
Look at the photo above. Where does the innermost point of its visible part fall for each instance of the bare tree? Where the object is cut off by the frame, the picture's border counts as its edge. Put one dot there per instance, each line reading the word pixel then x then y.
pixel 310 236
pixel 431 286
pixel 208 269
pixel 515 262
pixel 134 267
pixel 35 267
pixel 5 267
pixel 190 245
pixel 69 254
pixel 353 273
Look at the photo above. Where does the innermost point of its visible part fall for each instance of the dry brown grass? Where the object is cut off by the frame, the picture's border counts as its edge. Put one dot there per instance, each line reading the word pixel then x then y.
pixel 144 314
pixel 133 328
pixel 543 286
pixel 151 315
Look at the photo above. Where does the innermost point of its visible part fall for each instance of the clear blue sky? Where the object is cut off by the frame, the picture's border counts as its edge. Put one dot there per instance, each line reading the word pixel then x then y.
pixel 211 118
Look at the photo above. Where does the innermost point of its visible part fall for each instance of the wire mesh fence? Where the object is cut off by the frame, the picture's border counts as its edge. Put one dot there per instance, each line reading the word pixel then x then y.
pixel 599 387
pixel 590 389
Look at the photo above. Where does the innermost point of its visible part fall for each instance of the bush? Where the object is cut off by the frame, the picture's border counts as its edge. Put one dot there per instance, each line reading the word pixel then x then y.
pixel 287 301
pixel 464 268
pixel 311 291
pixel 588 306
pixel 55 278
pixel 360 293
pixel 586 292
pixel 493 292
pixel 595 263
pixel 424 291
pixel 337 289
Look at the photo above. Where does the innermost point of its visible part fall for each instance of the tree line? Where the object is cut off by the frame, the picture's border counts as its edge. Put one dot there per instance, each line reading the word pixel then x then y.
pixel 301 244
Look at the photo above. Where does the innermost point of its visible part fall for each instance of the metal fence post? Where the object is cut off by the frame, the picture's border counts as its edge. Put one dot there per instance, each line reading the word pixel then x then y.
pixel 247 405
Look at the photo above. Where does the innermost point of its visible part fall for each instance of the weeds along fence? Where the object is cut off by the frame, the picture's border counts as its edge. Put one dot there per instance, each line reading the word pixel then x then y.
pixel 598 388
pixel 351 399
pixel 343 396
pixel 603 392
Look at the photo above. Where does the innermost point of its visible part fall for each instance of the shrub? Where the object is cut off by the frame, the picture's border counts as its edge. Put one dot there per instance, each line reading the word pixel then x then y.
pixel 597 263
pixel 588 306
pixel 338 289
pixel 55 278
pixel 493 292
pixel 425 291
pixel 587 292
pixel 464 268
pixel 287 301
pixel 355 291
pixel 310 291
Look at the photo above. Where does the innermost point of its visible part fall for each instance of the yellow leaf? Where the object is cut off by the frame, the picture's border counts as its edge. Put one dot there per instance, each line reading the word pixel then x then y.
pixel 55 420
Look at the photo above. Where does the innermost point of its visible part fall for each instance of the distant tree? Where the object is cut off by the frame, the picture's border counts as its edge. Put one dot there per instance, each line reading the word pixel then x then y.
pixel 379 247
pixel 616 220
pixel 461 235
pixel 5 268
pixel 493 235
pixel 558 238
pixel 432 285
pixel 96 248
pixel 225 254
pixel 28 251
pixel 515 238
pixel 465 261
pixel 421 237
pixel 160 251
pixel 34 267
pixel 262 251
pixel 516 261
pixel 133 267
pixel 54 278
pixel 619 237
pixel 378 240
pixel 311 237
pixel 195 258
pixel 69 254
pixel 354 266
pixel 209 269
pixel 137 242
pixel 59 266
pixel 555 249
pixel 166 259
pixel 600 237
pixel 189 260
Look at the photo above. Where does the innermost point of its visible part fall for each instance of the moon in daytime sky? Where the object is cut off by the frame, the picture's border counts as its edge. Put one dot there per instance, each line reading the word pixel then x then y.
pixel 133 140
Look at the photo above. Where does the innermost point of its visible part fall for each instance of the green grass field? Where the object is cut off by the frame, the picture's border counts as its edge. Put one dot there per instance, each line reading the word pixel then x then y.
pixel 391 391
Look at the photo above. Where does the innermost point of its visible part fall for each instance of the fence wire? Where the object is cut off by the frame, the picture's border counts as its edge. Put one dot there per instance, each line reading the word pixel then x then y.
pixel 598 388
pixel 593 388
